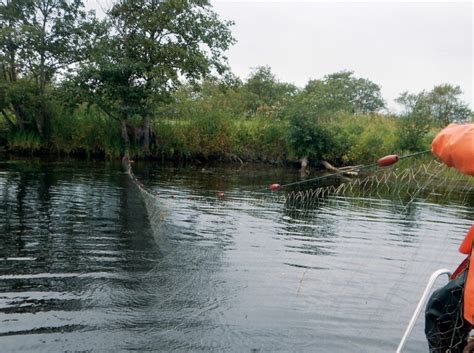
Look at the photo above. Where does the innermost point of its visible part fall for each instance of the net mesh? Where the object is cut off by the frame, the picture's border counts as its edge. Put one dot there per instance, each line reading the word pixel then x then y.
pixel 156 209
pixel 430 181
pixel 422 179
pixel 445 328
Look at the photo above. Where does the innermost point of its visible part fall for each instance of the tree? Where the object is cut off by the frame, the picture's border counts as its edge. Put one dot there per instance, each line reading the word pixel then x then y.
pixel 38 40
pixel 266 92
pixel 442 104
pixel 445 105
pixel 342 92
pixel 312 132
pixel 414 122
pixel 224 95
pixel 422 110
pixel 151 48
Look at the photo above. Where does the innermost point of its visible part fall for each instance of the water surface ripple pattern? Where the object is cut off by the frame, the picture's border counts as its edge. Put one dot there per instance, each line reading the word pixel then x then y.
pixel 82 268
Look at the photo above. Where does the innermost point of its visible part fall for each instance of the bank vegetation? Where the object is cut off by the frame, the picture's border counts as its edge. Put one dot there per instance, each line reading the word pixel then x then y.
pixel 150 80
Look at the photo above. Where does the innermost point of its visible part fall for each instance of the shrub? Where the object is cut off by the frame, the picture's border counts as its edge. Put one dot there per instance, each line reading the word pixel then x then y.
pixel 85 130
pixel 309 137
pixel 376 137
pixel 412 130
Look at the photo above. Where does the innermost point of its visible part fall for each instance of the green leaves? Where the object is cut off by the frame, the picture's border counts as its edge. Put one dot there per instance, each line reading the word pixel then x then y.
pixel 342 92
pixel 39 40
pixel 49 35
pixel 265 93
pixel 442 105
pixel 150 48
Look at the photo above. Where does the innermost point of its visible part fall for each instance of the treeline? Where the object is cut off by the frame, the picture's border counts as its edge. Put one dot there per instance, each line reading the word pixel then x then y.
pixel 150 80
pixel 339 118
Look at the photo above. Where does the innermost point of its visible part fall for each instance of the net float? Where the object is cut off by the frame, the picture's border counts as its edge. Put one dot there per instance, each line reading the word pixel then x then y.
pixel 274 187
pixel 387 160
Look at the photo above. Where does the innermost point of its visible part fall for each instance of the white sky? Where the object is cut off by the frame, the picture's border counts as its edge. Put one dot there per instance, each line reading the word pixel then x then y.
pixel 398 45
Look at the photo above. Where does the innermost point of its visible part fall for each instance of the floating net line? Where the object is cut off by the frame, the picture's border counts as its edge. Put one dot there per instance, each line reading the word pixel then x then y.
pixel 156 210
pixel 429 181
pixel 421 179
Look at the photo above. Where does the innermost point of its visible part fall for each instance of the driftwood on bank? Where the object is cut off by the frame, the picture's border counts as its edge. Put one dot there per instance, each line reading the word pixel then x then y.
pixel 350 171
pixel 343 172
pixel 304 170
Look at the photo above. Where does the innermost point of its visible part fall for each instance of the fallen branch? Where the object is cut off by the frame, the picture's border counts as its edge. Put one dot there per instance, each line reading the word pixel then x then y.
pixel 346 171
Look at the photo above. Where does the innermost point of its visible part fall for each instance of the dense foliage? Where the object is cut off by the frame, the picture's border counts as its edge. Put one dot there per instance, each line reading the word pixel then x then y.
pixel 151 79
pixel 40 40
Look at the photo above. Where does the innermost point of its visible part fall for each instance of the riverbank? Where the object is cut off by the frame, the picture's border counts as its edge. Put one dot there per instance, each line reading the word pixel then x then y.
pixel 341 139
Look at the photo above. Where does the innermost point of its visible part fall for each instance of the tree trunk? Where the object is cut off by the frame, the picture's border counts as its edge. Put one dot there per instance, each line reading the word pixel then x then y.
pixel 40 118
pixel 12 70
pixel 304 170
pixel 146 134
pixel 125 138
pixel 10 124
pixel 19 117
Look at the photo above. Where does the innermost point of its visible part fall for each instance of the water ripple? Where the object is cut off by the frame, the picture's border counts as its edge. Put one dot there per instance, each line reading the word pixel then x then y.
pixel 84 267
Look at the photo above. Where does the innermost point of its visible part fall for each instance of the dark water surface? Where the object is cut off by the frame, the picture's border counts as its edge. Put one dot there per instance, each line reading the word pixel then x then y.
pixel 82 268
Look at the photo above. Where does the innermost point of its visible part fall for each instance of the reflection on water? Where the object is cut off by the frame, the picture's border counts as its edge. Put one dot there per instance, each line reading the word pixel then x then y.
pixel 80 269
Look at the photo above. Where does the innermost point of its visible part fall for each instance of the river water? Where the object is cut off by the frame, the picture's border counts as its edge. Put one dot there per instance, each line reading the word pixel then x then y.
pixel 82 268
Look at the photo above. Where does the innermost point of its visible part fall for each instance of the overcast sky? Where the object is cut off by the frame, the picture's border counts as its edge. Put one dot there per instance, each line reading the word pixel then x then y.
pixel 398 45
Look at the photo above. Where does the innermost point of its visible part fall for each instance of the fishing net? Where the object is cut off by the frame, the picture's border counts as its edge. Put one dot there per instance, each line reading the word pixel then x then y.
pixel 422 180
pixel 425 180
pixel 412 180
pixel 445 328
pixel 156 209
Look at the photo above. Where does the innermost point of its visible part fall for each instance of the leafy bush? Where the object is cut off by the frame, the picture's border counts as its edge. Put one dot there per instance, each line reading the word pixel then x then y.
pixel 376 137
pixel 261 138
pixel 309 137
pixel 412 130
pixel 212 135
pixel 206 136
pixel 85 130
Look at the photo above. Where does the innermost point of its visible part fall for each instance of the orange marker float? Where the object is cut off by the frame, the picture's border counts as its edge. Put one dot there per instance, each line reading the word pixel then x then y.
pixel 387 160
pixel 274 187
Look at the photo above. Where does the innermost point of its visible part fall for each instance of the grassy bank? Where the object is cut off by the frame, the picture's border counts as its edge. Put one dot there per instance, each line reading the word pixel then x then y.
pixel 348 139
pixel 335 118
pixel 220 137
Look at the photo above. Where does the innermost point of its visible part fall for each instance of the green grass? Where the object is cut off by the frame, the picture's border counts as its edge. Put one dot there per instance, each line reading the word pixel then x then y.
pixel 206 135
pixel 24 141
pixel 211 136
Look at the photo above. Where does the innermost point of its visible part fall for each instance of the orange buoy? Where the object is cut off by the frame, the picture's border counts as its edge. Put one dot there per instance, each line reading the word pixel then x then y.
pixel 387 160
pixel 274 187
